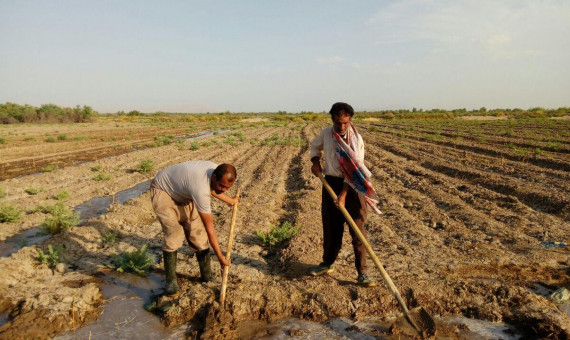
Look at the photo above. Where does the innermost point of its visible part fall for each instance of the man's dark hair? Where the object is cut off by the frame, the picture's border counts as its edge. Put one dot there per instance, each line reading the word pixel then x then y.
pixel 337 108
pixel 223 169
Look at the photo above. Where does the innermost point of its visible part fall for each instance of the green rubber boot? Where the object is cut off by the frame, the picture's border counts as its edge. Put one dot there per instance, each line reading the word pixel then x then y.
pixel 172 286
pixel 203 257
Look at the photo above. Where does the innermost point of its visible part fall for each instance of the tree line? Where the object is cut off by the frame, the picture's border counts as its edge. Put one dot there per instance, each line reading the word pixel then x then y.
pixel 11 113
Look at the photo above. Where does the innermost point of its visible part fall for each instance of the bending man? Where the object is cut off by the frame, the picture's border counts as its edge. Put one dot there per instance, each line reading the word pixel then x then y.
pixel 180 197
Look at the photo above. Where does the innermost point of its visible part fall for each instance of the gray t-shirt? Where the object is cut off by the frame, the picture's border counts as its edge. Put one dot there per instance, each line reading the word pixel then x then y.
pixel 188 181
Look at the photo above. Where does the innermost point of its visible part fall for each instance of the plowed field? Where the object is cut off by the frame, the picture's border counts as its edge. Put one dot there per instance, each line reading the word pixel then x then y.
pixel 466 207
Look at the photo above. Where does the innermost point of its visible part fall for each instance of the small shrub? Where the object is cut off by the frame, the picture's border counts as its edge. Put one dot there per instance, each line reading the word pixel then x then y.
pixel 27 139
pixel 102 176
pixel 194 146
pixel 62 137
pixel 32 191
pixel 80 138
pixel 44 209
pixel 62 195
pixel 96 168
pixel 138 261
pixel 109 238
pixel 62 219
pixel 52 257
pixel 146 165
pixel 50 168
pixel 50 140
pixel 2 140
pixel 10 213
pixel 277 235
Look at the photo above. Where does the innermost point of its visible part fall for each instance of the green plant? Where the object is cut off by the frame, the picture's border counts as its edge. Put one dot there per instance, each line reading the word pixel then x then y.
pixel 194 146
pixel 63 136
pixel 278 234
pixel 138 261
pixel 30 139
pixel 62 219
pixel 50 140
pixel 80 138
pixel 102 176
pixel 52 257
pixel 10 213
pixel 2 140
pixel 50 168
pixel 146 165
pixel 62 195
pixel 109 238
pixel 96 168
pixel 32 191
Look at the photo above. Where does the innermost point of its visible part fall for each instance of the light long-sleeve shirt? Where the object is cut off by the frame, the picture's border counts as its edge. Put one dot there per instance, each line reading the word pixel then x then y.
pixel 325 144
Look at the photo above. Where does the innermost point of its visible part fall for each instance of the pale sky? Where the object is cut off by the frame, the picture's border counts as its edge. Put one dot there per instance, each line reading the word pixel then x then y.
pixel 256 56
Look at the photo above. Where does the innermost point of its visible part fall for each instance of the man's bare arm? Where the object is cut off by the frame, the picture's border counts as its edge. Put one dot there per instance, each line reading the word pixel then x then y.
pixel 208 220
pixel 225 198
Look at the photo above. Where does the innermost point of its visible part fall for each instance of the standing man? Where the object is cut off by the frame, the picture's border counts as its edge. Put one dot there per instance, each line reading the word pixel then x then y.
pixel 180 197
pixel 346 173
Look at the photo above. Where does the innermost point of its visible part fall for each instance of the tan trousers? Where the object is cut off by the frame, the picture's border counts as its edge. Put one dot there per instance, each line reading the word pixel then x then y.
pixel 178 222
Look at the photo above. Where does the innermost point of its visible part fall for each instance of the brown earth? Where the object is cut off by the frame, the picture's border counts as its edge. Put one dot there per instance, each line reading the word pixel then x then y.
pixel 460 235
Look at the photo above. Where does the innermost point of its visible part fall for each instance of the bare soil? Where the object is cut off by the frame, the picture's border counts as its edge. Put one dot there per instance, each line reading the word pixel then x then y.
pixel 461 234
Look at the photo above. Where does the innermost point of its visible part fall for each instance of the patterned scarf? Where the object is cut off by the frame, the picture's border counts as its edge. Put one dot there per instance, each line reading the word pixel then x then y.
pixel 356 174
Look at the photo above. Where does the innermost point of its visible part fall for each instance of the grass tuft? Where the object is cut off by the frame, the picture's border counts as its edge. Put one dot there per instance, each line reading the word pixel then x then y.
pixel 146 165
pixel 138 261
pixel 10 213
pixel 277 235
pixel 62 219
pixel 52 257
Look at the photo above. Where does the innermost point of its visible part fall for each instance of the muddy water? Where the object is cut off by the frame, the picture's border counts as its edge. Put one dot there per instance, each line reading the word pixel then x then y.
pixel 204 134
pixel 123 315
pixel 371 328
pixel 96 207
pixel 23 239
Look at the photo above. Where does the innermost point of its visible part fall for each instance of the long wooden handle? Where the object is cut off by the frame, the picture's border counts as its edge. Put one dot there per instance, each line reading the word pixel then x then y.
pixel 229 252
pixel 377 262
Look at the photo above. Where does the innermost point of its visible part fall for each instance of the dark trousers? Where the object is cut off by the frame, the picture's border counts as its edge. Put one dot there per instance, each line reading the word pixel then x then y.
pixel 333 224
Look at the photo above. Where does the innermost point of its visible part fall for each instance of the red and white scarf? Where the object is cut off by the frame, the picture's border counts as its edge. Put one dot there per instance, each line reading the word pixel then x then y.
pixel 356 174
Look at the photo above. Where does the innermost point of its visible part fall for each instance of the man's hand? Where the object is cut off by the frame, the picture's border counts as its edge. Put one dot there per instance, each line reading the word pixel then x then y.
pixel 342 196
pixel 341 200
pixel 224 262
pixel 316 167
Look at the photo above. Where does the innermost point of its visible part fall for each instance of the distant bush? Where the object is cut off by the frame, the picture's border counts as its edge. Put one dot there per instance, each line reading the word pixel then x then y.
pixel 138 261
pixel 49 140
pixel 62 219
pixel 277 235
pixel 52 257
pixel 11 113
pixel 146 165
pixel 2 140
pixel 10 213
pixel 62 137
pixel 96 168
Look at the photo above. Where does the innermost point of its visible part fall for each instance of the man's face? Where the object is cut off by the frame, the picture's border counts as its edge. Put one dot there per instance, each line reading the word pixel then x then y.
pixel 341 123
pixel 222 185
